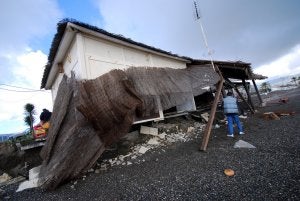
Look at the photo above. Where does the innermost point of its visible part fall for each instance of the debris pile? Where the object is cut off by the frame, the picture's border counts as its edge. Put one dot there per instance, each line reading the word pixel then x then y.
pixel 90 115
pixel 169 134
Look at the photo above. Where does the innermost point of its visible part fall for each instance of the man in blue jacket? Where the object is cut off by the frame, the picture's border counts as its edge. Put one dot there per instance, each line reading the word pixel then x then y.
pixel 231 111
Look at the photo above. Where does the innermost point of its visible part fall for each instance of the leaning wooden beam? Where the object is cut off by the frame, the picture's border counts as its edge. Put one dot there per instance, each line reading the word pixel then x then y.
pixel 208 127
pixel 223 92
pixel 237 91
pixel 257 92
pixel 248 93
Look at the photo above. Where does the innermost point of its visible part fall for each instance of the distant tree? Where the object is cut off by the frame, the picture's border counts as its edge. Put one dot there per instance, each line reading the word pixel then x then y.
pixel 265 87
pixel 294 79
pixel 29 118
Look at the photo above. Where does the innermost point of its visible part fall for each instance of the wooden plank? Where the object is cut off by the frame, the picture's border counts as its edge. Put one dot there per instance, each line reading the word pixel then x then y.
pixel 248 94
pixel 257 92
pixel 208 127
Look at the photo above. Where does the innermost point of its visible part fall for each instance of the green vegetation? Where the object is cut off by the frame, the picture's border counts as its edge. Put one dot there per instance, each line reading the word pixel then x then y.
pixel 265 87
pixel 294 79
pixel 29 111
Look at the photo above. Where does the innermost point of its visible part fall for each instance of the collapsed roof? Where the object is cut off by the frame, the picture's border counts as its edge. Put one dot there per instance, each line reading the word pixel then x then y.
pixel 234 69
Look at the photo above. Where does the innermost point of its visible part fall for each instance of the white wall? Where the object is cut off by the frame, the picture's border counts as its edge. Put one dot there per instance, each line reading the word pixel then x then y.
pixel 70 63
pixel 101 56
pixel 90 57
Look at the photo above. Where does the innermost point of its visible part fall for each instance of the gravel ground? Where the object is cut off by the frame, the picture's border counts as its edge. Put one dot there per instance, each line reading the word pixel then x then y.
pixel 271 171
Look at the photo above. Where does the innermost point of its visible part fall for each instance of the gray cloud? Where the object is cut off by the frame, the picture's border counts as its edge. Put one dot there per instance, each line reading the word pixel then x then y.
pixel 253 31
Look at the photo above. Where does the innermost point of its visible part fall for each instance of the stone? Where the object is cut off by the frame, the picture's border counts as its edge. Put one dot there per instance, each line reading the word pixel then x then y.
pixel 34 172
pixel 190 129
pixel 28 184
pixel 149 130
pixel 153 141
pixel 205 116
pixel 143 150
pixel 162 135
pixel 4 177
pixel 243 144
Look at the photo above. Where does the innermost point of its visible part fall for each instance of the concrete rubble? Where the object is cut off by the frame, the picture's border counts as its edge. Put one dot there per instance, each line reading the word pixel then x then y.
pixel 172 134
pixel 243 144
pixel 149 131
pixel 33 180
pixel 4 178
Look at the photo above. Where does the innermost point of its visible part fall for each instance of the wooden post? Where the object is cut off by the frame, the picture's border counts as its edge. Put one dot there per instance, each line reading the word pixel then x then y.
pixel 257 92
pixel 223 92
pixel 248 93
pixel 208 126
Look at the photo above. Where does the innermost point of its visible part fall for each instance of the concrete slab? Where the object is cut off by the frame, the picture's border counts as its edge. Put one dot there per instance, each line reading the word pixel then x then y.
pixel 243 144
pixel 149 130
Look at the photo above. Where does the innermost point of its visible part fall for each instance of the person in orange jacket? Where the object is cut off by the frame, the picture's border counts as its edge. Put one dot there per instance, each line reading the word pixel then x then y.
pixel 41 129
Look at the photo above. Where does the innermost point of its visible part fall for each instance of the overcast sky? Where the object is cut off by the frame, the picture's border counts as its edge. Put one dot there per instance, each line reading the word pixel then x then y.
pixel 265 33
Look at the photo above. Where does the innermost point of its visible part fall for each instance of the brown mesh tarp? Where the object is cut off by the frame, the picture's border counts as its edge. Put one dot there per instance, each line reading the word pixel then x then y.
pixel 172 86
pixel 109 103
pixel 89 115
pixel 73 145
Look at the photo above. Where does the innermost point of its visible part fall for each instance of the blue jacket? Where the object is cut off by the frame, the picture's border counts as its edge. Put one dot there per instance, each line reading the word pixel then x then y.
pixel 230 105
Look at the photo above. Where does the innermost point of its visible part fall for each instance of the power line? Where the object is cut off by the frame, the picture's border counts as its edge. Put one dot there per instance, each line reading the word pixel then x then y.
pixel 22 91
pixel 18 87
pixel 26 89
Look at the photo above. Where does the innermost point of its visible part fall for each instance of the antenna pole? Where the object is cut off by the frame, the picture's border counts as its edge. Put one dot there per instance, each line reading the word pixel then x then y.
pixel 204 35
pixel 208 126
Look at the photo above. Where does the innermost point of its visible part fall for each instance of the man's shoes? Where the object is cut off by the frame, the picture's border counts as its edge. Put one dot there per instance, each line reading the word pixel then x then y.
pixel 230 135
pixel 241 133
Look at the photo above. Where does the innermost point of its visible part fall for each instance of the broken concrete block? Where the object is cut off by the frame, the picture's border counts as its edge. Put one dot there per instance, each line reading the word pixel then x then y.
pixel 12 181
pixel 149 130
pixel 103 168
pixel 34 172
pixel 190 129
pixel 33 179
pixel 4 177
pixel 28 184
pixel 205 116
pixel 217 126
pixel 153 141
pixel 243 144
pixel 162 135
pixel 143 150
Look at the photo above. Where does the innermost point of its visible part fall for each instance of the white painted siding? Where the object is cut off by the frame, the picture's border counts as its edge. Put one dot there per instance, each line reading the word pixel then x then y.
pixel 55 86
pixel 90 57
pixel 70 63
pixel 102 56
